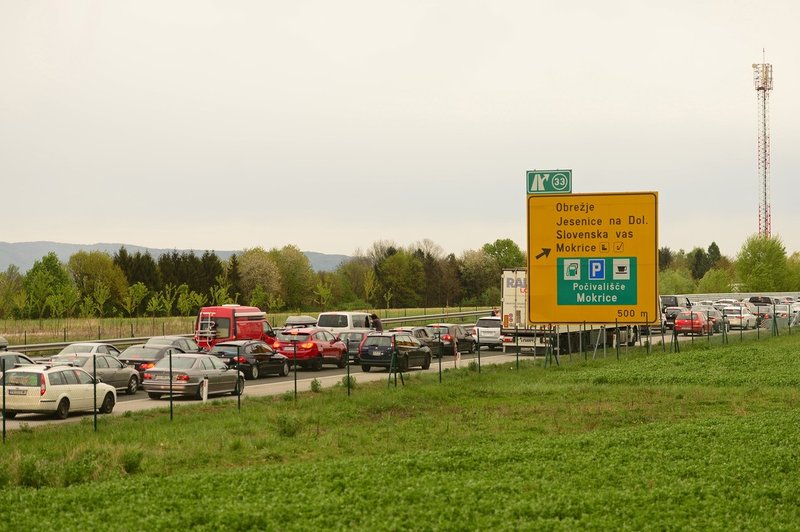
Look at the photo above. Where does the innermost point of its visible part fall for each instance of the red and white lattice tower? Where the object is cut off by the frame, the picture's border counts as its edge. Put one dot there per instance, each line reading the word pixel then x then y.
pixel 762 77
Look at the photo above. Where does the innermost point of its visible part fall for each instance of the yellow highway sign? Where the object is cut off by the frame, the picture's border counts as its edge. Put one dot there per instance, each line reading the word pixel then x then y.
pixel 593 258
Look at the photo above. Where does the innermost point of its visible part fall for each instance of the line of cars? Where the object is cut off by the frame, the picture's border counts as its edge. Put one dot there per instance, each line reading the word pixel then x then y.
pixel 176 365
pixel 709 317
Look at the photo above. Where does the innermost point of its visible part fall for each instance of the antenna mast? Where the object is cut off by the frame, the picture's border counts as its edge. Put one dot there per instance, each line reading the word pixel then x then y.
pixel 762 78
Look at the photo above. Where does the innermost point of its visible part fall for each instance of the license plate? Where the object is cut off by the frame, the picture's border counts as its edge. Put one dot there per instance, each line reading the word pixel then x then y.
pixel 375 352
pixel 161 377
pixel 13 391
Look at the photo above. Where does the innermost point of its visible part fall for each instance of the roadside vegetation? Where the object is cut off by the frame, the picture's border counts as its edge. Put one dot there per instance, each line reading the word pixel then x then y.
pixel 707 438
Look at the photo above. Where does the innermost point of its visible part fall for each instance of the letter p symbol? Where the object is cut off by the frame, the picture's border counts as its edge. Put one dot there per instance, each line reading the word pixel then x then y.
pixel 597 269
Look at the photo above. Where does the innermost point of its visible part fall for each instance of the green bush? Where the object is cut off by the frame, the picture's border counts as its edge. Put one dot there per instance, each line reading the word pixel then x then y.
pixel 31 473
pixel 351 380
pixel 316 386
pixel 288 425
pixel 131 461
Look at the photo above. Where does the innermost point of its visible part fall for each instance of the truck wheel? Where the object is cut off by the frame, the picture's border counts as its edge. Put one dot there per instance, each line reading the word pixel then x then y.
pixel 366 369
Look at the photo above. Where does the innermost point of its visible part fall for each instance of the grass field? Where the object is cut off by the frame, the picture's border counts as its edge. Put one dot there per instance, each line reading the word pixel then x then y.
pixel 706 439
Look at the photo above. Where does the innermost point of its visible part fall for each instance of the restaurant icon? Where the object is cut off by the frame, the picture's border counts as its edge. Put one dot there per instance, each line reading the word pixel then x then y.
pixel 621 269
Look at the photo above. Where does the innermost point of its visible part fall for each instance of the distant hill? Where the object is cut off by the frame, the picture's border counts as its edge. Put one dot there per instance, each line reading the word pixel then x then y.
pixel 24 254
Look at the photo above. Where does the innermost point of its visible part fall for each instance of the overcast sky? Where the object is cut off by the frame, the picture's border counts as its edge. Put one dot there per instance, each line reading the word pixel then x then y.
pixel 330 125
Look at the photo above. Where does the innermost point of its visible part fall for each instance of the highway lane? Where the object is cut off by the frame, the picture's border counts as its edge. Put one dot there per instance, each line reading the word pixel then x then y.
pixel 271 385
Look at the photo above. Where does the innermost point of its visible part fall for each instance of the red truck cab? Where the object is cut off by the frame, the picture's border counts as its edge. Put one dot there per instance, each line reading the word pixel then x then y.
pixel 231 322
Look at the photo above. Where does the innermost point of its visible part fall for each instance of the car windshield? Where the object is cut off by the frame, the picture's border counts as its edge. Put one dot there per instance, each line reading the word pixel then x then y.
pixel 352 336
pixel 691 315
pixel 284 336
pixel 177 363
pixel 434 330
pixel 730 311
pixel 378 341
pixel 488 323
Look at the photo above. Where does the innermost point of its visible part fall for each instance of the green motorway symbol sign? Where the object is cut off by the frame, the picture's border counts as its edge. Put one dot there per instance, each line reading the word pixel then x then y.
pixel 549 181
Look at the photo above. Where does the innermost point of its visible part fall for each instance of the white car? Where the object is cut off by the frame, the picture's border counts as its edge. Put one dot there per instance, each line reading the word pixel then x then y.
pixel 93 348
pixel 56 390
pixel 739 317
pixel 487 332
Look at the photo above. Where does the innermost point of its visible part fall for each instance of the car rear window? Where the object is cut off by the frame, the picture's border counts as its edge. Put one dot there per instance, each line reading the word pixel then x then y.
pixel 177 363
pixel 22 379
pixel 488 323
pixel 332 320
pixel 140 352
pixel 284 336
pixel 225 349
pixel 378 341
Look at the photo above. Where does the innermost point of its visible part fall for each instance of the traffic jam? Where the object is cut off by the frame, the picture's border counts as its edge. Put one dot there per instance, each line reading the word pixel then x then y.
pixel 232 345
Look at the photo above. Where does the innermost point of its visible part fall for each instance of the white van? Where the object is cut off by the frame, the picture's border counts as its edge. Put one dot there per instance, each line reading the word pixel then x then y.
pixel 337 322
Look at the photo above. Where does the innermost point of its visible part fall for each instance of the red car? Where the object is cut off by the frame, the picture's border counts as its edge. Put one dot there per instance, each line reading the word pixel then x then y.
pixel 314 347
pixel 693 322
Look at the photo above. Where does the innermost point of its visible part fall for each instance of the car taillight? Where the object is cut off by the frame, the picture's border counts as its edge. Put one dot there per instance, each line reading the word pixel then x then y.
pixel 147 376
pixel 182 377
pixel 42 385
pixel 146 365
pixel 307 345
pixel 446 338
pixel 276 345
pixel 241 360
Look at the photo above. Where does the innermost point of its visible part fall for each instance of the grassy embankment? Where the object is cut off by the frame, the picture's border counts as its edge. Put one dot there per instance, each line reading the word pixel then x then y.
pixel 702 439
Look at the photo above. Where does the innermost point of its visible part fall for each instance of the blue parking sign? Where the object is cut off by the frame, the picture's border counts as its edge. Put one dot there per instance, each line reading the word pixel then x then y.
pixel 597 269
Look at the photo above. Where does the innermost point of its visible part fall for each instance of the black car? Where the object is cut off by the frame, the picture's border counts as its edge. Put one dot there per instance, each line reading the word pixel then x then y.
pixel 187 345
pixel 253 358
pixel 453 337
pixel 424 336
pixel 143 357
pixel 670 313
pixel 378 349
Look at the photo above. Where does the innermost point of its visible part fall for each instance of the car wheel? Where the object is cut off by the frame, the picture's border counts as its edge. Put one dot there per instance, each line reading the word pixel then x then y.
pixel 427 363
pixel 133 385
pixel 402 364
pixel 317 366
pixel 472 348
pixel 284 369
pixel 239 389
pixel 63 409
pixel 366 369
pixel 108 404
pixel 254 372
pixel 152 395
pixel 199 393
pixel 342 360
pixel 10 415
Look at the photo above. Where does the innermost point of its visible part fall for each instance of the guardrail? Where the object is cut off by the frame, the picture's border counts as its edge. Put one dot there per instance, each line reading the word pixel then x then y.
pixel 124 342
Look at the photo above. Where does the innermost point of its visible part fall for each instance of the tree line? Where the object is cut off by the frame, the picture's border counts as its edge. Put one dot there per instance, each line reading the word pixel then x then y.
pixel 762 265
pixel 97 284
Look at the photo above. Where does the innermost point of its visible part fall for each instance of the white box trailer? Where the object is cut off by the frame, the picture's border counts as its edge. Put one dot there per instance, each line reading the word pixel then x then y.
pixel 518 334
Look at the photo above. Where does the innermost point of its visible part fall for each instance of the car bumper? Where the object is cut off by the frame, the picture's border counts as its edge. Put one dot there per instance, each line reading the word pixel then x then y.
pixel 182 388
